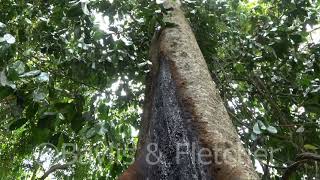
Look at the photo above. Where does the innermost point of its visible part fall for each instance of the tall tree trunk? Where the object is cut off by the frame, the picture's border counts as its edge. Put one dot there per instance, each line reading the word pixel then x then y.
pixel 184 116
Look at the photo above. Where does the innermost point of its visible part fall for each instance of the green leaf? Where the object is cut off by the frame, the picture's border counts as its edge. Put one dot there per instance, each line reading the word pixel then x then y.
pixel 2 25
pixel 77 32
pixel 253 136
pixel 262 126
pixel 91 132
pixel 98 34
pixel 47 120
pixel 84 6
pixel 38 95
pixel 18 124
pixel 103 111
pixel 75 11
pixel 40 135
pixel 31 74
pixel 272 130
pixel 3 78
pixel 12 74
pixel 77 122
pixel 8 38
pixel 315 108
pixel 19 67
pixel 64 107
pixel 310 147
pixel 5 92
pixel 32 110
pixel 256 128
pixel 312 103
pixel 58 140
pixel 300 129
pixel 5 82
pixel 239 68
pixel 62 139
pixel 297 38
pixel 43 77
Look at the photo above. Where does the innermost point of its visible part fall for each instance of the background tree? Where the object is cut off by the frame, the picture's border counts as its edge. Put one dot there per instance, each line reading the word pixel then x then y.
pixel 67 76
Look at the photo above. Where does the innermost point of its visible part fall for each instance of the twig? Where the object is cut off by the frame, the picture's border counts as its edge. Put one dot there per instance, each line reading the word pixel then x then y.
pixel 54 168
pixel 301 158
pixel 317 28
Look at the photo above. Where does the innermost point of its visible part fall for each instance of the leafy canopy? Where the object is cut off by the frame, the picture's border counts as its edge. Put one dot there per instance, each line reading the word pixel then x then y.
pixel 73 72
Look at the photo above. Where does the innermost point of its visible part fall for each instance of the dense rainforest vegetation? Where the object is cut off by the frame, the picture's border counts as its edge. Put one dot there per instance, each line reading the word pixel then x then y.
pixel 72 79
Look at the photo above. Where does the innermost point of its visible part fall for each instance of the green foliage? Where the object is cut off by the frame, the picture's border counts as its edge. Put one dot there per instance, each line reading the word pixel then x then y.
pixel 266 65
pixel 67 76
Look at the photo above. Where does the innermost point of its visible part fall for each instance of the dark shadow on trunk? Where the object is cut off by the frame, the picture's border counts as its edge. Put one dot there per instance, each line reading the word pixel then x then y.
pixel 172 141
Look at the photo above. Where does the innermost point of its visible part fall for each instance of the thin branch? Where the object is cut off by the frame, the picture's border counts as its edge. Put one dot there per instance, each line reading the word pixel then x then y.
pixel 294 125
pixel 309 156
pixel 301 159
pixel 53 169
pixel 271 166
pixel 314 29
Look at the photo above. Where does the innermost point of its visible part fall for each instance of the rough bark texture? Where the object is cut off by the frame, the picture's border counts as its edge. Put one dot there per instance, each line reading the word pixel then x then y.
pixel 183 106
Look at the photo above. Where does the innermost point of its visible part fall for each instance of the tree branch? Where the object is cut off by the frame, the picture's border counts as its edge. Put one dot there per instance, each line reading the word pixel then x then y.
pixel 301 158
pixel 52 169
pixel 317 28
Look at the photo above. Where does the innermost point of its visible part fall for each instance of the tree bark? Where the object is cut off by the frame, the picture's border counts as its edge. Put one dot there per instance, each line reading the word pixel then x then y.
pixel 183 106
